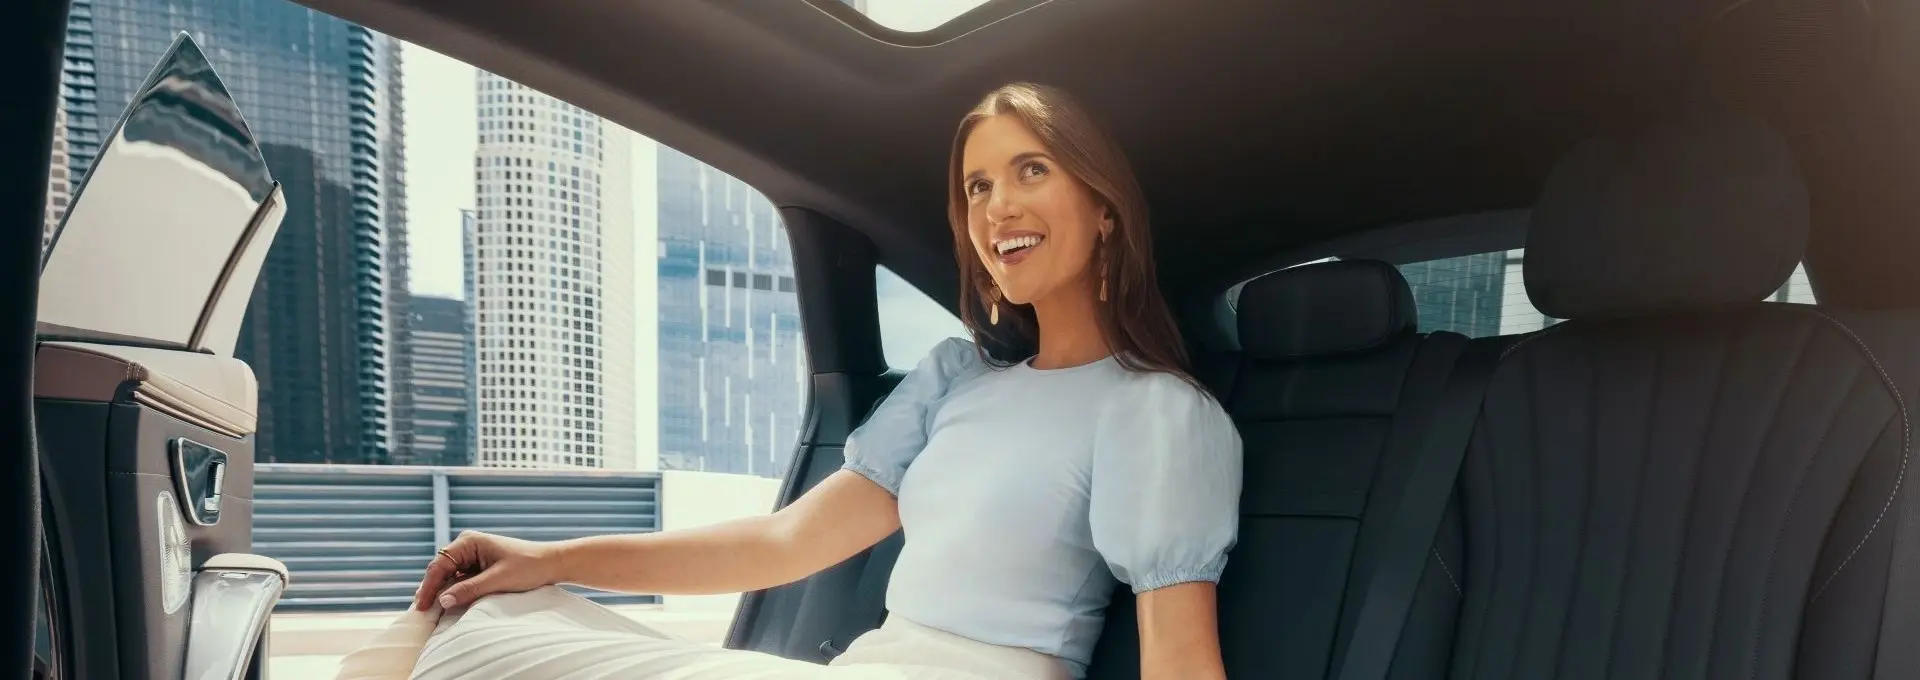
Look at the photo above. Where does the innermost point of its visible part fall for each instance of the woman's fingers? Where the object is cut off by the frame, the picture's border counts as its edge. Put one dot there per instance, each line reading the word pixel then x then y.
pixel 451 560
pixel 464 592
pixel 439 572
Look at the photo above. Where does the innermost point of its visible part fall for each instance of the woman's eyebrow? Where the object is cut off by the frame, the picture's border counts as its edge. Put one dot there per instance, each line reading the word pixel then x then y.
pixel 1017 159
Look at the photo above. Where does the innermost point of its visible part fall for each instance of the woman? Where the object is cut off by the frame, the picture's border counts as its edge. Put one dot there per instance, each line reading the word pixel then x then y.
pixel 1025 489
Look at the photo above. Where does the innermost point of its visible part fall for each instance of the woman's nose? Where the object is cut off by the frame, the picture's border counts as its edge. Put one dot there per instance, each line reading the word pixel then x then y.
pixel 1000 206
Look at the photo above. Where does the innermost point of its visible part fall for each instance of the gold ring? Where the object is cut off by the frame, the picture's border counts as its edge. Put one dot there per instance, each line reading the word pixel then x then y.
pixel 443 553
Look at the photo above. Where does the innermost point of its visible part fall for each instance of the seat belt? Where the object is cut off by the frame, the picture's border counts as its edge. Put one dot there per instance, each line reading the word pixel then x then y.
pixel 1390 590
pixel 869 607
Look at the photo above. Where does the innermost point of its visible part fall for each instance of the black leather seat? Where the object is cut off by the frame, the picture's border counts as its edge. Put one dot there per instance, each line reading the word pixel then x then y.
pixel 1681 481
pixel 1324 392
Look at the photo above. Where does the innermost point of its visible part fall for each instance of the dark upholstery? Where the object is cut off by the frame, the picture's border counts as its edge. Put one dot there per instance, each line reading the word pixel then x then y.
pixel 1318 434
pixel 1693 216
pixel 1325 309
pixel 1682 482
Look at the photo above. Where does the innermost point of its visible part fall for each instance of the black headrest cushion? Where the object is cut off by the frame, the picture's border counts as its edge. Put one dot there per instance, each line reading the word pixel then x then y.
pixel 1680 217
pixel 1323 309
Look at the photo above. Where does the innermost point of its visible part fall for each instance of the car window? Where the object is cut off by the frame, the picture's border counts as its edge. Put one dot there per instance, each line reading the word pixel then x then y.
pixel 1478 295
pixel 473 273
pixel 1485 294
pixel 910 322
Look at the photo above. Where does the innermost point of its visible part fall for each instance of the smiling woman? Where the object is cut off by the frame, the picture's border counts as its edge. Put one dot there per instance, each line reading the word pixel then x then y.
pixel 1125 473
pixel 1048 220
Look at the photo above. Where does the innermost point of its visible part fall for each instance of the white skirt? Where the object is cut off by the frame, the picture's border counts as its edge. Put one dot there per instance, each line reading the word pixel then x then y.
pixel 551 634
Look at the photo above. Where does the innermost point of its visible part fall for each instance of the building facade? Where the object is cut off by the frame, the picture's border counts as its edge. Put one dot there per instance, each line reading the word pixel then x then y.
pixel 441 385
pixel 733 373
pixel 59 184
pixel 553 273
pixel 321 95
pixel 1459 294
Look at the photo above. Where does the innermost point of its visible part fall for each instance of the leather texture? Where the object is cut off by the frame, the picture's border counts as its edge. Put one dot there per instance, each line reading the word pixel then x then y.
pixel 1320 436
pixel 1697 215
pixel 1325 309
pixel 1683 497
pixel 215 392
pixel 1682 482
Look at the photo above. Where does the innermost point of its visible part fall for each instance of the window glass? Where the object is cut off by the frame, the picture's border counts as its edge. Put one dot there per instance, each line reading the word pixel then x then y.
pixel 910 322
pixel 1476 295
pixel 1485 294
pixel 912 15
pixel 476 274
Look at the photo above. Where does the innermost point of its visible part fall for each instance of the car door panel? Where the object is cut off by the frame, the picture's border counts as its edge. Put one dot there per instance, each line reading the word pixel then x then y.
pixel 142 295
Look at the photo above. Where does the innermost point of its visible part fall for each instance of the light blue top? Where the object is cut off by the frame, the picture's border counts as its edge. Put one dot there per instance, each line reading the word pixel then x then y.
pixel 1024 493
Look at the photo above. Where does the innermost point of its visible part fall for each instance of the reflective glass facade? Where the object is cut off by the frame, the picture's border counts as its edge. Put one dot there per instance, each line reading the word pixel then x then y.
pixel 733 373
pixel 324 331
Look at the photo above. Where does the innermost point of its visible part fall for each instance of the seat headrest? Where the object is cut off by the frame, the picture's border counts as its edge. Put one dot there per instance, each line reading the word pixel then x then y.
pixel 1686 216
pixel 1323 309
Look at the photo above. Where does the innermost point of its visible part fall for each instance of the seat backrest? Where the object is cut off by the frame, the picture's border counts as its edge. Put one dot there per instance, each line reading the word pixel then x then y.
pixel 1320 392
pixel 1681 481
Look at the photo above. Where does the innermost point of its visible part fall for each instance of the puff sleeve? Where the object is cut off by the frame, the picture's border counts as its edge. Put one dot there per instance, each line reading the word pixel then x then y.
pixel 1165 494
pixel 881 448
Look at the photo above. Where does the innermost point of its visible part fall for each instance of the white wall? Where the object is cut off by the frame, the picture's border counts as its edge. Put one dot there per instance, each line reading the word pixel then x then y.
pixel 691 499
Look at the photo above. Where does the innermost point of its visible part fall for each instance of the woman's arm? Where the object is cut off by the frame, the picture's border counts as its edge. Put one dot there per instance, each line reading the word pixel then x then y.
pixel 1180 633
pixel 844 514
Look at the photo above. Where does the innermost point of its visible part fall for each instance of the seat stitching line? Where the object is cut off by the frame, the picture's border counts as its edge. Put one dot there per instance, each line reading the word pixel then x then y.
pixel 1448 572
pixel 1906 449
pixel 1773 555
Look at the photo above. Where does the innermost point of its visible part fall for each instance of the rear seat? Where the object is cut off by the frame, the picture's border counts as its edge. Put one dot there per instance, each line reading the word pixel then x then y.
pixel 1326 388
pixel 1681 481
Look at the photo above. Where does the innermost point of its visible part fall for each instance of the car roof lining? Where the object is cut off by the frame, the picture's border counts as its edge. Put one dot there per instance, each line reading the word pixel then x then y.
pixel 1273 125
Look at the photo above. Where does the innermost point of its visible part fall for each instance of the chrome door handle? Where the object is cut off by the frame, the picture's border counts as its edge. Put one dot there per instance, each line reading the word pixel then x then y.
pixel 200 477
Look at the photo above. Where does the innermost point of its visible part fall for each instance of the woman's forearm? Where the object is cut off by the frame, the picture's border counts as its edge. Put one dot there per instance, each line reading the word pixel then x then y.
pixel 835 520
pixel 740 555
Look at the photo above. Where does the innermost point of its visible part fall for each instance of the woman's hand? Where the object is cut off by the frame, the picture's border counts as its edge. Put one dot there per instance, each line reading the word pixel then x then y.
pixel 479 564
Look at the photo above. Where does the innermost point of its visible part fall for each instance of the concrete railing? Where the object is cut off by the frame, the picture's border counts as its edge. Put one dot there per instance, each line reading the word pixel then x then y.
pixel 357 537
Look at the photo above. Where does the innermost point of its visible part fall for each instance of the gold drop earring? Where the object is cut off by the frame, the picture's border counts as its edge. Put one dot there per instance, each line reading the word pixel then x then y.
pixel 993 308
pixel 1103 267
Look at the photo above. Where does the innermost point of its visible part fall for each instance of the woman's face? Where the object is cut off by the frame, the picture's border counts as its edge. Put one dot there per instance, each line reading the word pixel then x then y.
pixel 1032 225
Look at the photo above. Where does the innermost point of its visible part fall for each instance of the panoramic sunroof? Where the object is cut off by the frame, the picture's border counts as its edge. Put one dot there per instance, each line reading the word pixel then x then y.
pixel 912 16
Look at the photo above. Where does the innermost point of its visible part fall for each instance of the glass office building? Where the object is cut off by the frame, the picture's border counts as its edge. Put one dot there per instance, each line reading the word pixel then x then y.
pixel 733 371
pixel 324 332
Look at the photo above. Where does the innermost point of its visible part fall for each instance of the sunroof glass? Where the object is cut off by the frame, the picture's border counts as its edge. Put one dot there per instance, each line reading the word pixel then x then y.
pixel 912 15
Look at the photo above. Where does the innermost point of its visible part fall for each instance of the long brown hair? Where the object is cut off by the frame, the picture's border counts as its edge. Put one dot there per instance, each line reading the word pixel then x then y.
pixel 1135 321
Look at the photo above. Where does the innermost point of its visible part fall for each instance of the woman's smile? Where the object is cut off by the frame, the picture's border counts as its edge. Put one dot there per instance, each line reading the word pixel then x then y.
pixel 1014 246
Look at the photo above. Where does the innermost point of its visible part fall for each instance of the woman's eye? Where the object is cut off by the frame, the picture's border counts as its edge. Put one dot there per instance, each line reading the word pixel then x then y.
pixel 976 187
pixel 1032 170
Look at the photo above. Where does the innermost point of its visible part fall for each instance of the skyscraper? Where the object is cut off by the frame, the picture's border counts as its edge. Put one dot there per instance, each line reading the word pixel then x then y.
pixel 1461 294
pixel 553 282
pixel 733 375
pixel 59 187
pixel 321 94
pixel 441 384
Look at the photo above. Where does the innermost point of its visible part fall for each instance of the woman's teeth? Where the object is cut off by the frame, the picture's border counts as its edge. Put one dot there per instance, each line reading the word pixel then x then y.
pixel 1017 243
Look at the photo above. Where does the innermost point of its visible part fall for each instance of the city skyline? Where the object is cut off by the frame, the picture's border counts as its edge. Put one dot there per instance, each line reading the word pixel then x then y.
pixel 324 330
pixel 553 282
pixel 442 127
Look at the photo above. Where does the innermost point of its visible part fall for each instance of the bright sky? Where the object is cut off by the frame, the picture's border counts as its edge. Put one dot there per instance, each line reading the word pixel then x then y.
pixel 441 133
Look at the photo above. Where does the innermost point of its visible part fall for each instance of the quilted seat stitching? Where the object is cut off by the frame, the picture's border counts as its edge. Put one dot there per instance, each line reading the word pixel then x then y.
pixel 1906 448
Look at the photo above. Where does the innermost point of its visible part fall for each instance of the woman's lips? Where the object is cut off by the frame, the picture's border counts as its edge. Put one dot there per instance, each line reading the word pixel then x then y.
pixel 1016 256
pixel 1023 243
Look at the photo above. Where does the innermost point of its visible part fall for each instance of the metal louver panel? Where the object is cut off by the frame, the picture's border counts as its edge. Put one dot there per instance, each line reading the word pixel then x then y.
pixel 358 537
pixel 542 506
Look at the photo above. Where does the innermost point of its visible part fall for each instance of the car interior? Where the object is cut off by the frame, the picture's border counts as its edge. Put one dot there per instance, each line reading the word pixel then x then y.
pixel 1677 478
